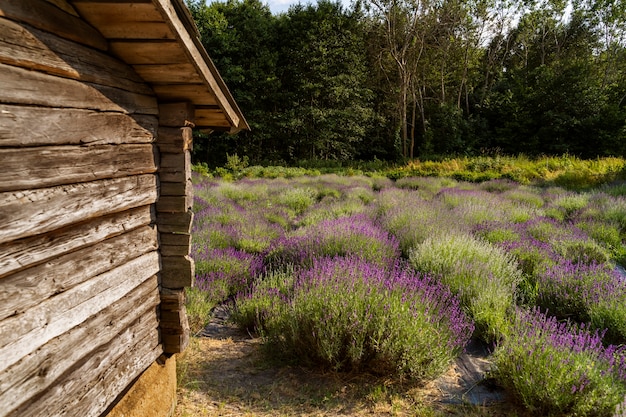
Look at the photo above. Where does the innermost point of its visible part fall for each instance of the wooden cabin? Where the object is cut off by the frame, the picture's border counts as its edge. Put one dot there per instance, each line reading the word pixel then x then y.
pixel 97 102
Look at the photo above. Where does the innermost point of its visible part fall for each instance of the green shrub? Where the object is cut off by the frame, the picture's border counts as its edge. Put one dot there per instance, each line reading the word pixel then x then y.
pixel 483 275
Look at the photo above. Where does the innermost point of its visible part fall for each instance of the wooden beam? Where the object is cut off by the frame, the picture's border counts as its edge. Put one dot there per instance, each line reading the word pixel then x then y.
pixel 169 73
pixel 175 222
pixel 57 315
pixel 174 139
pixel 24 253
pixel 177 272
pixel 201 61
pixel 46 16
pixel 46 166
pixel 124 19
pixel 25 289
pixel 41 126
pixel 198 93
pixel 149 52
pixel 33 212
pixel 173 321
pixel 177 115
pixel 37 371
pixel 26 47
pixel 20 86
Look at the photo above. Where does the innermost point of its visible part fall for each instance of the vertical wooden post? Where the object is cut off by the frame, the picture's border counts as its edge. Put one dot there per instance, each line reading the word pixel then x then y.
pixel 174 217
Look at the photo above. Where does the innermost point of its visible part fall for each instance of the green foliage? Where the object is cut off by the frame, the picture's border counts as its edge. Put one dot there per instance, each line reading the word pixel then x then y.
pixel 483 275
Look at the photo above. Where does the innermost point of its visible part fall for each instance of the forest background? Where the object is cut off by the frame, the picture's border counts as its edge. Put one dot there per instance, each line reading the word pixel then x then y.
pixel 394 80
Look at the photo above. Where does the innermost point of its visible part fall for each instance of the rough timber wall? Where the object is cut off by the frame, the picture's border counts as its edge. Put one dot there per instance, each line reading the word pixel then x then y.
pixel 78 243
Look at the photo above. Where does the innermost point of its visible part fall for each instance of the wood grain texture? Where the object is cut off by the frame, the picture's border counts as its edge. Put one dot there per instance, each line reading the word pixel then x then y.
pixel 24 46
pixel 175 222
pixel 94 382
pixel 23 126
pixel 25 289
pixel 142 52
pixel 46 16
pixel 27 168
pixel 21 254
pixel 21 86
pixel 39 370
pixel 177 272
pixel 57 315
pixel 174 140
pixel 125 20
pixel 32 212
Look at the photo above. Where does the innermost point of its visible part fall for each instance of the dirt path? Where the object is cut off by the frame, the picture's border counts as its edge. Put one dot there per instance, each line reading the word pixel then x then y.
pixel 225 373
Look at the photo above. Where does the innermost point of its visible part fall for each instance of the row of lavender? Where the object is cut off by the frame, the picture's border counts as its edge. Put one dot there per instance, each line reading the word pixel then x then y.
pixel 365 273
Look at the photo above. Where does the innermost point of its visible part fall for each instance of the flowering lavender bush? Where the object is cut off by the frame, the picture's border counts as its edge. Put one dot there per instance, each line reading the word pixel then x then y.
pixel 355 235
pixel 346 313
pixel 484 276
pixel 558 368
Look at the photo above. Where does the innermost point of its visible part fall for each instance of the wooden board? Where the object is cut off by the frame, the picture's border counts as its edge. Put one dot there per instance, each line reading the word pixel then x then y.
pixel 33 212
pixel 169 73
pixel 21 254
pixel 125 20
pixel 45 16
pixel 40 126
pixel 92 384
pixel 24 46
pixel 149 52
pixel 177 272
pixel 20 86
pixel 25 289
pixel 57 315
pixel 27 168
pixel 174 139
pixel 199 93
pixel 38 370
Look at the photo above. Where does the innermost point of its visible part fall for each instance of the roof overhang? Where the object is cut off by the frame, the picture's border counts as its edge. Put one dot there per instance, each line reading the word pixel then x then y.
pixel 160 40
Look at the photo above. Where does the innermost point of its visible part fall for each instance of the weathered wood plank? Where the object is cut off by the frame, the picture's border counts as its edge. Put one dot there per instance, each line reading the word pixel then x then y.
pixel 40 126
pixel 21 86
pixel 64 5
pixel 182 239
pixel 211 117
pixel 96 381
pixel 50 18
pixel 25 289
pixel 173 139
pixel 175 250
pixel 29 213
pixel 176 115
pixel 24 46
pixel 38 370
pixel 27 168
pixel 57 315
pixel 18 255
pixel 175 204
pixel 175 222
pixel 176 188
pixel 177 272
pixel 148 53
pixel 198 93
pixel 130 20
pixel 168 73
pixel 173 321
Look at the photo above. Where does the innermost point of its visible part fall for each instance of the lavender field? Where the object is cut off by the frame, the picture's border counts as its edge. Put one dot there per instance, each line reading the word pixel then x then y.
pixel 395 278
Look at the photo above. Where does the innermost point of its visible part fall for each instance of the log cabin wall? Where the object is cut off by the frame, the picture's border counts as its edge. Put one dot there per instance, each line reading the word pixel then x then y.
pixel 79 250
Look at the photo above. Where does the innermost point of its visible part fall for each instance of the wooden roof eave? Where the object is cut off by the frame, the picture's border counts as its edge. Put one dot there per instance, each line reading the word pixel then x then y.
pixel 195 79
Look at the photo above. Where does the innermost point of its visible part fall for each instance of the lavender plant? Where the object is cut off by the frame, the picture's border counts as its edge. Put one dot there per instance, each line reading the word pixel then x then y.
pixel 347 314
pixel 483 275
pixel 355 235
pixel 558 368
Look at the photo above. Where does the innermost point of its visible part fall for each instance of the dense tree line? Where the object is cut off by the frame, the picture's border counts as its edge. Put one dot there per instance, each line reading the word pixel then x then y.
pixel 393 79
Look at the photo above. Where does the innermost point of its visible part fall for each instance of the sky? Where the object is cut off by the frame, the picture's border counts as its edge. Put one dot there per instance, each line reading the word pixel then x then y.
pixel 281 6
